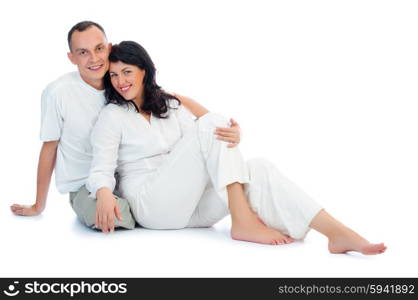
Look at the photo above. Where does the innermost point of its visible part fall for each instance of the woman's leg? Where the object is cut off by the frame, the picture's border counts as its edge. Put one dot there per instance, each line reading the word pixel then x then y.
pixel 276 201
pixel 341 238
pixel 228 171
pixel 283 205
pixel 210 209
pixel 169 198
pixel 182 193
pixel 246 225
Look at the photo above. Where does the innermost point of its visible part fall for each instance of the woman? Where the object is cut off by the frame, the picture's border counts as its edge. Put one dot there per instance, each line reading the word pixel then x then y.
pixel 176 174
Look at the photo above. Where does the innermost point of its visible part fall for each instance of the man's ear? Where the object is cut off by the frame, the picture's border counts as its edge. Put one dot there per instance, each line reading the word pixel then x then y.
pixel 109 45
pixel 71 57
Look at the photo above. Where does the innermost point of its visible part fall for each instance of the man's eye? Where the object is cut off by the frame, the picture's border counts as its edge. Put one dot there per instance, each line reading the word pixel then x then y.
pixel 83 52
pixel 100 48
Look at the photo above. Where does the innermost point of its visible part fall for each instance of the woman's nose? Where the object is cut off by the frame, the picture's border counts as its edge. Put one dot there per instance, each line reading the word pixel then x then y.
pixel 121 80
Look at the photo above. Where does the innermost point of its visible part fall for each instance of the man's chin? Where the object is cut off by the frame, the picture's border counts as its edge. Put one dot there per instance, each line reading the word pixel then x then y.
pixel 96 75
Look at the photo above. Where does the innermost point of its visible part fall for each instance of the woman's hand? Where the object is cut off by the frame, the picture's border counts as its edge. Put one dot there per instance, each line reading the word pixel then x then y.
pixel 232 134
pixel 25 210
pixel 106 210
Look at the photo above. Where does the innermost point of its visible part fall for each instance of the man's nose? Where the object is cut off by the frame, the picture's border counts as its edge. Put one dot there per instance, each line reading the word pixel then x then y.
pixel 94 57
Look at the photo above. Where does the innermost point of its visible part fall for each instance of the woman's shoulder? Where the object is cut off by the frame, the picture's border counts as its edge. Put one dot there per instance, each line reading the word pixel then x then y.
pixel 113 111
pixel 112 108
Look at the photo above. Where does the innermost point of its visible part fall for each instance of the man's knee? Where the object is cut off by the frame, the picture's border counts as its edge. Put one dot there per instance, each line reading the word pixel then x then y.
pixel 128 220
pixel 85 209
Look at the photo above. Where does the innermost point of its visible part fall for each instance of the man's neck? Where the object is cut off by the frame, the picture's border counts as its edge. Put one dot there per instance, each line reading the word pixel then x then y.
pixel 97 84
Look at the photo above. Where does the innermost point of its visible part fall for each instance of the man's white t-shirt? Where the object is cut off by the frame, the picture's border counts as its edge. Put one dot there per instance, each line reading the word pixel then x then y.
pixel 70 108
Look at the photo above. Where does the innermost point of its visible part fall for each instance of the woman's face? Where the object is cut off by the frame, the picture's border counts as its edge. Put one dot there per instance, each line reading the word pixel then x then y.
pixel 127 80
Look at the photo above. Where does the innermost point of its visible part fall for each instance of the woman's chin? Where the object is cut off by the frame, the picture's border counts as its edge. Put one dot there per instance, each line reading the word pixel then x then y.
pixel 125 98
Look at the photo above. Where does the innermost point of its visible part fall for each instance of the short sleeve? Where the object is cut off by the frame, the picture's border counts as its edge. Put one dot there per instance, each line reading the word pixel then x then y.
pixel 51 116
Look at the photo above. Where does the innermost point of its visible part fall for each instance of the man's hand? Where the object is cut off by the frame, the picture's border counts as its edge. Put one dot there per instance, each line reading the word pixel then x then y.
pixel 106 210
pixel 25 210
pixel 232 134
pixel 46 166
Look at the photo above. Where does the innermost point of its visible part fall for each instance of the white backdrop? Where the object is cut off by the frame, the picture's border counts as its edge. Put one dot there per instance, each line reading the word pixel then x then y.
pixel 325 89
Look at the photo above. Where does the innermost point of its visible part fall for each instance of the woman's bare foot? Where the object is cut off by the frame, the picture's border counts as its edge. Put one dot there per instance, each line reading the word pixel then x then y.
pixel 342 239
pixel 251 229
pixel 351 241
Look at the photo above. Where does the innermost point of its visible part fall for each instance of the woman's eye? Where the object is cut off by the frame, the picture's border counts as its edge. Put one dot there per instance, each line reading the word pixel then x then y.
pixel 112 75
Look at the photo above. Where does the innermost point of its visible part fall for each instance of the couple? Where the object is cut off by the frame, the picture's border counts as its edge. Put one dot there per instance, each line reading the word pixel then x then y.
pixel 173 171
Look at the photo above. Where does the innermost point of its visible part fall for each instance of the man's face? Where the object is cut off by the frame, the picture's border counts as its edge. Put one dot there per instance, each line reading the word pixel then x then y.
pixel 90 52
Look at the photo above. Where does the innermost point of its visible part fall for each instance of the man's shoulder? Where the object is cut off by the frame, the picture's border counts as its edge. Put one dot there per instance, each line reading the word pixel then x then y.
pixel 62 83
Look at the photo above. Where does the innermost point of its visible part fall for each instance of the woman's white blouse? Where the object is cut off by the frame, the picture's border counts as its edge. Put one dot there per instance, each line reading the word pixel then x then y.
pixel 123 141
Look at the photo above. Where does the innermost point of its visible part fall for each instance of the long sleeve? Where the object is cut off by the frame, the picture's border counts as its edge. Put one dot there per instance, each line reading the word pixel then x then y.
pixel 105 141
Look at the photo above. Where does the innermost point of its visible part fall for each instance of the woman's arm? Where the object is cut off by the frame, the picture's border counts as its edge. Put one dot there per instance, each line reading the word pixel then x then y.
pixel 106 209
pixel 105 140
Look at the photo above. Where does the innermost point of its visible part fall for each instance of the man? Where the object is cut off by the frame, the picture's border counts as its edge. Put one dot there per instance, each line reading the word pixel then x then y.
pixel 70 107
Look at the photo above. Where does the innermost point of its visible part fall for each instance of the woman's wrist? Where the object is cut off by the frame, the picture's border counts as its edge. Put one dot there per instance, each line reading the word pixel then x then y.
pixel 103 193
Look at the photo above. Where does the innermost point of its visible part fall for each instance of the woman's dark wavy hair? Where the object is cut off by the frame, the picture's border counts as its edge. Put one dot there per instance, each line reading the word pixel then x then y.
pixel 155 98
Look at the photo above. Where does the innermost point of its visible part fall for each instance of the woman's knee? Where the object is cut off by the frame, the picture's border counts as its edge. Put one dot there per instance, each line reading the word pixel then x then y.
pixel 211 120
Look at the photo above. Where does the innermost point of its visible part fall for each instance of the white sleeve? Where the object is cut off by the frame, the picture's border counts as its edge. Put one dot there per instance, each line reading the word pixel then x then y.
pixel 185 118
pixel 51 116
pixel 105 141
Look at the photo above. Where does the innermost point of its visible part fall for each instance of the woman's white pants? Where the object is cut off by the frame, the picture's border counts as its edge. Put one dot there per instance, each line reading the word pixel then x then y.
pixel 189 189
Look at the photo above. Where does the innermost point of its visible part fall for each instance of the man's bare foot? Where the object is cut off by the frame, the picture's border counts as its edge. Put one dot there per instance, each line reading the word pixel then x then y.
pixel 351 241
pixel 252 229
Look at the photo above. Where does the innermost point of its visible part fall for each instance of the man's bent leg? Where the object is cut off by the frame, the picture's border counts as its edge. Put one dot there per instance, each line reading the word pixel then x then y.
pixel 85 209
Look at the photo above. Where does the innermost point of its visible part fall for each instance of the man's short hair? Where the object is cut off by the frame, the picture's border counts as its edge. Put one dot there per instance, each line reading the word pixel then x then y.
pixel 81 26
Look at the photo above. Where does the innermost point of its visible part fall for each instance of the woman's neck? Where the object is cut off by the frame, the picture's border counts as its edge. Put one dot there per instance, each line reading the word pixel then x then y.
pixel 139 100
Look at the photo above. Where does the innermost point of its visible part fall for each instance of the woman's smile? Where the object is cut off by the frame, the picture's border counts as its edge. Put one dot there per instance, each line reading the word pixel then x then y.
pixel 125 89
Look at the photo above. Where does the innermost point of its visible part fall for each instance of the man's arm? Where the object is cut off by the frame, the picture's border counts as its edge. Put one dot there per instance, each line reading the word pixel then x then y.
pixel 194 107
pixel 231 134
pixel 46 166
